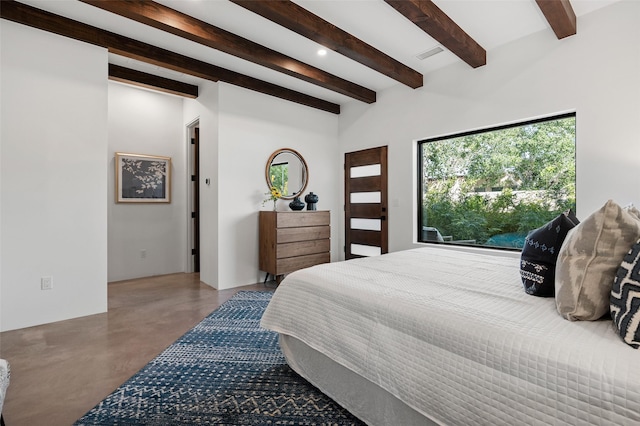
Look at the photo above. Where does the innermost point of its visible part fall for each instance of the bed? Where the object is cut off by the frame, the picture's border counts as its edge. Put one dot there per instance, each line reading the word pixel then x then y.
pixel 442 336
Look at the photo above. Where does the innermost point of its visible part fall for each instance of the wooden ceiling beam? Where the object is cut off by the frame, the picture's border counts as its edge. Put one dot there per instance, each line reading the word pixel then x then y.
pixel 151 81
pixel 560 15
pixel 130 48
pixel 426 15
pixel 299 20
pixel 164 18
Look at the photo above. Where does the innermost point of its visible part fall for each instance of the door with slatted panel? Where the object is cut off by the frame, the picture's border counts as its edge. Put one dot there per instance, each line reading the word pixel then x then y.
pixel 365 204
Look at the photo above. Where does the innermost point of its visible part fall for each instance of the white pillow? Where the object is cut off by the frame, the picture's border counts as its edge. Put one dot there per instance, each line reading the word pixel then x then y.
pixel 633 210
pixel 588 261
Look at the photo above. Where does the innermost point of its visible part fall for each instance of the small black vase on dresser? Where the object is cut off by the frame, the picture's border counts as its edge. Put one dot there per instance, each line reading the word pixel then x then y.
pixel 296 204
pixel 311 200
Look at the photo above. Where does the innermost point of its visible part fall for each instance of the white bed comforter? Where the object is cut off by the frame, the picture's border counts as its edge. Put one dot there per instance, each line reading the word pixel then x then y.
pixel 454 336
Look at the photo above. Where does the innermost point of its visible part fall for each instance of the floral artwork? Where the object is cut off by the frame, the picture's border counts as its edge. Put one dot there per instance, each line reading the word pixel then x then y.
pixel 142 178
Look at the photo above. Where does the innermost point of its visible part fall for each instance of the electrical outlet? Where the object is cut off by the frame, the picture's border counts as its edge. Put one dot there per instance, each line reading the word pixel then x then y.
pixel 143 254
pixel 46 283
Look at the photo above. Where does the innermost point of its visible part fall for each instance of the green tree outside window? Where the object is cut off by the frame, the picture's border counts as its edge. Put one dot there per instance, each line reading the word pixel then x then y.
pixel 491 188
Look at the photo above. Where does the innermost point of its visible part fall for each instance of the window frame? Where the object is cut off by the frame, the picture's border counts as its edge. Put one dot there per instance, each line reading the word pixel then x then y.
pixel 421 143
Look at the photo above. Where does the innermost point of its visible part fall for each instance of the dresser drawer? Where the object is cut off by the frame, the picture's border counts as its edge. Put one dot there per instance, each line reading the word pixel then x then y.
pixel 290 264
pixel 302 248
pixel 296 219
pixel 293 240
pixel 290 235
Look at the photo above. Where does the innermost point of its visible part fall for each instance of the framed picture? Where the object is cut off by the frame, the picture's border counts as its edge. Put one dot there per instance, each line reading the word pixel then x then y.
pixel 142 178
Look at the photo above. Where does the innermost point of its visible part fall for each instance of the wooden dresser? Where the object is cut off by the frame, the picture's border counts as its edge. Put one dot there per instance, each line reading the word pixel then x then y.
pixel 293 240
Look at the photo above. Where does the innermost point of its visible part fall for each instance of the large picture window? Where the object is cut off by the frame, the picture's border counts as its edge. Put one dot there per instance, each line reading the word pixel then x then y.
pixel 489 188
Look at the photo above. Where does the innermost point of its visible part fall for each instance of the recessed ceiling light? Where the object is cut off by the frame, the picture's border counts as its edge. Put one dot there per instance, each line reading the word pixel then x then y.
pixel 322 52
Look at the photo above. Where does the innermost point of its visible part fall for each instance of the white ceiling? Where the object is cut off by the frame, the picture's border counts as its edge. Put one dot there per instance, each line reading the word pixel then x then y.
pixel 490 22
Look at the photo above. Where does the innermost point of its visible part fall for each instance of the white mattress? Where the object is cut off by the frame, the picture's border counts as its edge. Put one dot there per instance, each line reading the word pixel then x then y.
pixel 454 336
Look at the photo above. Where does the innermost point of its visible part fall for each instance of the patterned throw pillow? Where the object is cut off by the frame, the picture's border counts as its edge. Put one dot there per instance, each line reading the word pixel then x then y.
pixel 625 298
pixel 540 252
pixel 588 261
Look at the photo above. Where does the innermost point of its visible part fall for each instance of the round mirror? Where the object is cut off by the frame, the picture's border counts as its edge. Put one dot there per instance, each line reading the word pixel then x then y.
pixel 287 171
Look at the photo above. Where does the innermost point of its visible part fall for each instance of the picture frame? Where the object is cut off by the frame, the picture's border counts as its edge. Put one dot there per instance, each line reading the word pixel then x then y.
pixel 142 178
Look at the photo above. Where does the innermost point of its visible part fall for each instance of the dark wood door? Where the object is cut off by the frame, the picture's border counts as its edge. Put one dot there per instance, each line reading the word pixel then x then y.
pixel 365 203
pixel 195 178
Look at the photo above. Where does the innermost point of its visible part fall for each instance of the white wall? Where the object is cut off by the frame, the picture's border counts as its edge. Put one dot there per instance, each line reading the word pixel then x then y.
pixel 594 73
pixel 53 168
pixel 146 122
pixel 239 130
pixel 204 109
pixel 251 127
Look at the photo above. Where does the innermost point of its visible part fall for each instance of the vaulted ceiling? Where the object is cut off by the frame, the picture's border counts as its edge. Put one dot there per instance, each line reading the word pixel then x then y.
pixel 272 46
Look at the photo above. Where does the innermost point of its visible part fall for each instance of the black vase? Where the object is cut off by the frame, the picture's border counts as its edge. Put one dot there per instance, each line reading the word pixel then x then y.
pixel 296 204
pixel 311 200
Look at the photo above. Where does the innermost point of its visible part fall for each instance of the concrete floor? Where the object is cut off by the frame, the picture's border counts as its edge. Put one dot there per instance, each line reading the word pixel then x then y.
pixel 60 371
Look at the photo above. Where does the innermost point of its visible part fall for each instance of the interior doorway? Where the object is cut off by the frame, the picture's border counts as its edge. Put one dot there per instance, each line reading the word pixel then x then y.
pixel 194 195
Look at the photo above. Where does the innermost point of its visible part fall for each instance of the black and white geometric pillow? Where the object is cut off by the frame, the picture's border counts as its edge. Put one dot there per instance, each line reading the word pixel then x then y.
pixel 625 298
pixel 540 253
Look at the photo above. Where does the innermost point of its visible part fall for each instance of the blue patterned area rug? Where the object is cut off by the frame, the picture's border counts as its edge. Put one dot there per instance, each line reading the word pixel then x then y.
pixel 227 370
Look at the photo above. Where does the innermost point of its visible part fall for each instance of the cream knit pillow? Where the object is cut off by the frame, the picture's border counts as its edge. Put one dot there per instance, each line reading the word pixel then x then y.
pixel 588 261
